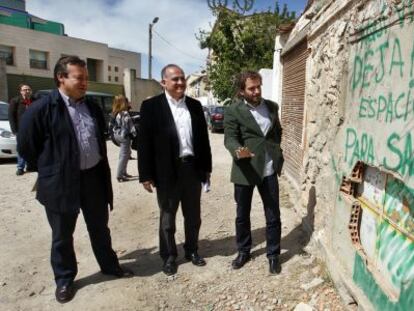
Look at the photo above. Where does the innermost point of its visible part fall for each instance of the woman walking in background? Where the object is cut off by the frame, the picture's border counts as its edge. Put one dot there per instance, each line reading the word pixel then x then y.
pixel 124 131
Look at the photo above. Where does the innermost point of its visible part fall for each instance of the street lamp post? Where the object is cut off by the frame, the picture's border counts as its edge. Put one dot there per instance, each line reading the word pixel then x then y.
pixel 150 47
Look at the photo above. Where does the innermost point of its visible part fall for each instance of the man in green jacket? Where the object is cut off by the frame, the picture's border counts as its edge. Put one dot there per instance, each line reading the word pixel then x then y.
pixel 252 134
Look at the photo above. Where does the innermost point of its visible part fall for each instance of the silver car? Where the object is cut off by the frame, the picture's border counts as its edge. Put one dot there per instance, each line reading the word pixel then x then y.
pixel 7 138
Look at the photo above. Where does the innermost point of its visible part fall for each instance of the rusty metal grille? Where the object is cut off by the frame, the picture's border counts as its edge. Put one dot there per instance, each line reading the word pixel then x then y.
pixel 293 98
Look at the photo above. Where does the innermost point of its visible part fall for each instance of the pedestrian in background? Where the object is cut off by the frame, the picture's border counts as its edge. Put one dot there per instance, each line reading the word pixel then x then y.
pixel 174 155
pixel 17 108
pixel 252 135
pixel 63 133
pixel 125 132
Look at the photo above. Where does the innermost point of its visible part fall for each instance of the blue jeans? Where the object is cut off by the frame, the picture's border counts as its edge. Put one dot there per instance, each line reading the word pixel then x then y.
pixel 269 192
pixel 21 163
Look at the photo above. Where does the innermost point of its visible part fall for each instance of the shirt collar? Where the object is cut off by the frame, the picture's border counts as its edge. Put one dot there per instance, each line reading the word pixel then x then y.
pixel 254 107
pixel 68 101
pixel 173 100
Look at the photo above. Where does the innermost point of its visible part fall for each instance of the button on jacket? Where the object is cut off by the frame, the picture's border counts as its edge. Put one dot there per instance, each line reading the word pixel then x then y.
pixel 242 130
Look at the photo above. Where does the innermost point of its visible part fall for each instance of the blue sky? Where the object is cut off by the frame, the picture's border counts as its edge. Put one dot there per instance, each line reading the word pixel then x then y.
pixel 124 24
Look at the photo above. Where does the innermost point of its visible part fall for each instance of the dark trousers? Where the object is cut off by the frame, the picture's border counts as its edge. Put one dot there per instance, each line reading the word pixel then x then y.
pixel 186 190
pixel 96 215
pixel 269 192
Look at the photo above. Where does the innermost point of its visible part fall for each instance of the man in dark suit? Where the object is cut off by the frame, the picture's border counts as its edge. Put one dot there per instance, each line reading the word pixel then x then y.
pixel 174 156
pixel 62 134
pixel 252 135
pixel 17 107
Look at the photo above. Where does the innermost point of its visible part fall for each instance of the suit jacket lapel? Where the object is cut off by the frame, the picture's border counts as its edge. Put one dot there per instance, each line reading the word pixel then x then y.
pixel 192 115
pixel 170 124
pixel 272 112
pixel 249 120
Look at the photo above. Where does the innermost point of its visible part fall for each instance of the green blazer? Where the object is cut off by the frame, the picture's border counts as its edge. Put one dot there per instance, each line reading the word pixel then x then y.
pixel 242 130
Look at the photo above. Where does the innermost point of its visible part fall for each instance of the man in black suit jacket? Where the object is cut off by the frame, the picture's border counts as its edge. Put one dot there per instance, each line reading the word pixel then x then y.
pixel 62 135
pixel 17 107
pixel 174 156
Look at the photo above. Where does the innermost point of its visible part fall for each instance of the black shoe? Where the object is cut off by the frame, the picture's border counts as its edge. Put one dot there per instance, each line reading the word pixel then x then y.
pixel 240 260
pixel 19 172
pixel 195 259
pixel 169 268
pixel 64 293
pixel 119 272
pixel 126 175
pixel 274 266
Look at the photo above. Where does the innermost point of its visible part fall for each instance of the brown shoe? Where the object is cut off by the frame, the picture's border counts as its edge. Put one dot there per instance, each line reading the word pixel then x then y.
pixel 64 293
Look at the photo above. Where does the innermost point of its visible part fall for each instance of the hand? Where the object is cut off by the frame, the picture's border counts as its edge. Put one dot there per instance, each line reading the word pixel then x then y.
pixel 244 152
pixel 148 185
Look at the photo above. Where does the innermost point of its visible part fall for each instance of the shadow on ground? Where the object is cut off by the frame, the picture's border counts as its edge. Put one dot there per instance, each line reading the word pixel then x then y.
pixel 147 262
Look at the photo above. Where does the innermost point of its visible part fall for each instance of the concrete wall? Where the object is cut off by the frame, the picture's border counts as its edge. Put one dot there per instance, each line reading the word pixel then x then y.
pixel 267 83
pixel 278 70
pixel 22 40
pixel 197 85
pixel 359 108
pixel 141 89
pixel 3 81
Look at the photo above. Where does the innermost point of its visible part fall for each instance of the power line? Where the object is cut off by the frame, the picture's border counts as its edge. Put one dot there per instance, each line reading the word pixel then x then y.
pixel 178 49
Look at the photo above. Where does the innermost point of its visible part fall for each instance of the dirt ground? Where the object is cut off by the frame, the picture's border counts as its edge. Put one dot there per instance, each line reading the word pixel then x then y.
pixel 26 280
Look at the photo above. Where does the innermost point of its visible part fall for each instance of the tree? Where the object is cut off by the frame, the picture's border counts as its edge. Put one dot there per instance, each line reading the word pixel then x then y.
pixel 240 42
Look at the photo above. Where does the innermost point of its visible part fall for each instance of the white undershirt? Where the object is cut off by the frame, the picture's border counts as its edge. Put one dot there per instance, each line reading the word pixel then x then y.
pixel 262 117
pixel 182 120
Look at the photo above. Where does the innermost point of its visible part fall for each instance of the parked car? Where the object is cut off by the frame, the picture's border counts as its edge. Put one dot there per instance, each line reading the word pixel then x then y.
pixel 216 118
pixel 103 100
pixel 7 138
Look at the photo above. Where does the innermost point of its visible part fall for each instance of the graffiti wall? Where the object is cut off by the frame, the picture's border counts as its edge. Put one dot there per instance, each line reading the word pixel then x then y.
pixel 380 114
pixel 379 131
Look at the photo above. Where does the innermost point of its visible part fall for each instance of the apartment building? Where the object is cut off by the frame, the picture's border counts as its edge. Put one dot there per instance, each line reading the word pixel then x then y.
pixel 31 46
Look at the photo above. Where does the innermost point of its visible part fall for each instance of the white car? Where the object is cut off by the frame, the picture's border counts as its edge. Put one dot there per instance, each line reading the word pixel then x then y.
pixel 7 139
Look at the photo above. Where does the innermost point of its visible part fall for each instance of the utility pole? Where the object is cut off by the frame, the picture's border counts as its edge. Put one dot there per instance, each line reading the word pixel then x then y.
pixel 150 47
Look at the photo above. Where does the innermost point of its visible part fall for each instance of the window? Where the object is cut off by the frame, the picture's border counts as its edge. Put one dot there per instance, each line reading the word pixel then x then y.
pixel 133 73
pixel 109 78
pixel 38 59
pixel 109 68
pixel 6 52
pixel 116 79
pixel 116 68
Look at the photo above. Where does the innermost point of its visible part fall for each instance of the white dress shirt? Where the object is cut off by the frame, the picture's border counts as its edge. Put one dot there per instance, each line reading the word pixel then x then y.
pixel 262 117
pixel 182 120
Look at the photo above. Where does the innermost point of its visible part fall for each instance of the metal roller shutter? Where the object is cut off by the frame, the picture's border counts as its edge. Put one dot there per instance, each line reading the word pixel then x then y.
pixel 293 99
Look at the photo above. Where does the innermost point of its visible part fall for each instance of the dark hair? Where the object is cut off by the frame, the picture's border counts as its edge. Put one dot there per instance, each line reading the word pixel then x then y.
pixel 23 84
pixel 164 70
pixel 240 81
pixel 61 66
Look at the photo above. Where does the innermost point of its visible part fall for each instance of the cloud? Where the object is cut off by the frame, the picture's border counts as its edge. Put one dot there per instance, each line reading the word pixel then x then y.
pixel 124 24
